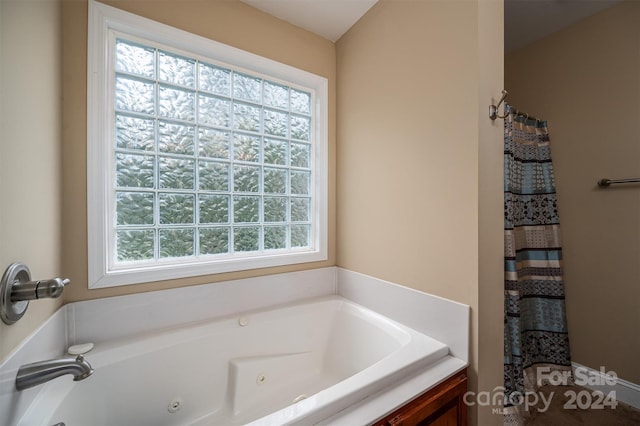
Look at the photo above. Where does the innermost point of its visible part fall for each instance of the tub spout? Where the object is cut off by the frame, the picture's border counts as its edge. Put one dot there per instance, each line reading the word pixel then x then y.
pixel 37 373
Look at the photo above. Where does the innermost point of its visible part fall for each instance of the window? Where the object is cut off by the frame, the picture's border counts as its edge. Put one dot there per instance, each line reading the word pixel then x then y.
pixel 202 158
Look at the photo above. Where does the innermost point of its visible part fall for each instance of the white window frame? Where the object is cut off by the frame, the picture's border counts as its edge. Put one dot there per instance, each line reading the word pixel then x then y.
pixel 104 22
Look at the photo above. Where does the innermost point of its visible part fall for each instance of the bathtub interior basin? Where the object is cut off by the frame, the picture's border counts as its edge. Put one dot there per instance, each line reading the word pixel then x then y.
pixel 275 366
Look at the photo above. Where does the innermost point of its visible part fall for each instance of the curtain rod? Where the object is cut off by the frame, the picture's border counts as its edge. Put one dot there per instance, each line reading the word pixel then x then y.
pixel 493 110
pixel 606 182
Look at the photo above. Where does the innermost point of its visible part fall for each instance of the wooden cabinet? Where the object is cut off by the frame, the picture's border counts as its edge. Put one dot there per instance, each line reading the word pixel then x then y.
pixel 440 406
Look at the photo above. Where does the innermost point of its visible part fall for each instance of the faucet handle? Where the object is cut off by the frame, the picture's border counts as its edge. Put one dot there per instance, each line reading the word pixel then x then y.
pixel 17 289
pixel 40 289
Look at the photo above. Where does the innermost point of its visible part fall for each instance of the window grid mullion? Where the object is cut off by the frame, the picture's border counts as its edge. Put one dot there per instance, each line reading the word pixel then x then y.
pixel 196 161
pixel 232 214
pixel 156 146
pixel 261 230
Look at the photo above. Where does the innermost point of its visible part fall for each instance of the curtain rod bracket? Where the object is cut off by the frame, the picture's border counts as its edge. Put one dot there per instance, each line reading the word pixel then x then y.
pixel 493 109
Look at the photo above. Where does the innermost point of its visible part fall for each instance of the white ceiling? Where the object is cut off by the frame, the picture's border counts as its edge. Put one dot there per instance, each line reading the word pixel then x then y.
pixel 328 18
pixel 525 20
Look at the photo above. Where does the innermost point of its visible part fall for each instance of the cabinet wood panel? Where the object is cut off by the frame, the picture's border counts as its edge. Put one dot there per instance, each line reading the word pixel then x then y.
pixel 440 406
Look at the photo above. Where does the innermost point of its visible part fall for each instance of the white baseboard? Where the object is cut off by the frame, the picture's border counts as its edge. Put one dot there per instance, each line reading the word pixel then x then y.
pixel 625 391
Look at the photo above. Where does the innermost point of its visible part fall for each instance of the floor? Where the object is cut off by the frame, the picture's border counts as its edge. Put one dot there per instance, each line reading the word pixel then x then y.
pixel 563 409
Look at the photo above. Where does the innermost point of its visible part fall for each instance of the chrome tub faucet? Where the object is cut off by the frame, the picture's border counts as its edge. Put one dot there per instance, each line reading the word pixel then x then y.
pixel 37 373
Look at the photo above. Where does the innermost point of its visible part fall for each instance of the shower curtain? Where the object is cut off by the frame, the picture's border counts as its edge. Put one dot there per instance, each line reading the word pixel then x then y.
pixel 535 330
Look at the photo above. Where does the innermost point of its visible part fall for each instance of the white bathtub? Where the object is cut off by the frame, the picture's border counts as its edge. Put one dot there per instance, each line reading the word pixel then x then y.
pixel 280 366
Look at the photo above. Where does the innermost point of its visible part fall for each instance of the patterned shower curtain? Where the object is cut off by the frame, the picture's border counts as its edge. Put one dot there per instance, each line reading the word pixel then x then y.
pixel 535 328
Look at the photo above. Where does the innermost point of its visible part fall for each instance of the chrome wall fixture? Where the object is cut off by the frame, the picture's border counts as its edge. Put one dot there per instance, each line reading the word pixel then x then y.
pixel 17 289
pixel 493 109
pixel 37 373
pixel 606 182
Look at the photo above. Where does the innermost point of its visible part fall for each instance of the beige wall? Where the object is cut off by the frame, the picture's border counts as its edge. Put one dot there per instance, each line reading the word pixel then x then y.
pixel 585 81
pixel 230 22
pixel 414 83
pixel 29 150
pixel 408 154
